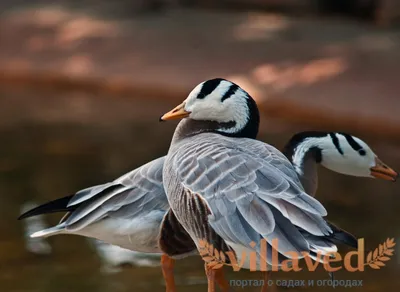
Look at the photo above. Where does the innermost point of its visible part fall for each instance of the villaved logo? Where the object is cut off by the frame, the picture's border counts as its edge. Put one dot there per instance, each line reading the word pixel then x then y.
pixel 375 259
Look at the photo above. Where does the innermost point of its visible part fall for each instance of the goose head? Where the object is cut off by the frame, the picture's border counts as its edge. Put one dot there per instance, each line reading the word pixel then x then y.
pixel 339 152
pixel 228 109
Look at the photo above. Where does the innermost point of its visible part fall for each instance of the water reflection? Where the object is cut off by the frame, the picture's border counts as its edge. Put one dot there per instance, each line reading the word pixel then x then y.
pixel 42 159
pixel 115 258
pixel 39 245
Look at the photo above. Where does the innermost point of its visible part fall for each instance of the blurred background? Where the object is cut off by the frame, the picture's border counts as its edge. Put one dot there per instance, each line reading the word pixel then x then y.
pixel 83 83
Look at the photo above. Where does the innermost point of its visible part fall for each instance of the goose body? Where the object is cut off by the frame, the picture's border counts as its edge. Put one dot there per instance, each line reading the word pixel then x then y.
pixel 230 190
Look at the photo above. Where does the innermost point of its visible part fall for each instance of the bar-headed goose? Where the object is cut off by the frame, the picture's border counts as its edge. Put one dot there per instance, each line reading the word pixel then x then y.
pixel 129 211
pixel 229 191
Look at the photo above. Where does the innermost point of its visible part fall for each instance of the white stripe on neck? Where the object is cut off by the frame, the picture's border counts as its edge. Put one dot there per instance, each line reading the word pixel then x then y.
pixel 301 150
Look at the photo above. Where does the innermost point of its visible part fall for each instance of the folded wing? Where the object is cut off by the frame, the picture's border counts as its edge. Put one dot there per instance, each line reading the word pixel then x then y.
pixel 252 192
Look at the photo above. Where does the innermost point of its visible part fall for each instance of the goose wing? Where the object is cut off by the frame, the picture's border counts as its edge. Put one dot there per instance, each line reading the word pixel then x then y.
pixel 137 193
pixel 251 191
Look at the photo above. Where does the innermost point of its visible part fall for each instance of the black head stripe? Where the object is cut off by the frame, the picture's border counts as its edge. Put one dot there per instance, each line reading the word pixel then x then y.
pixel 335 142
pixel 231 91
pixel 353 143
pixel 316 151
pixel 298 138
pixel 208 87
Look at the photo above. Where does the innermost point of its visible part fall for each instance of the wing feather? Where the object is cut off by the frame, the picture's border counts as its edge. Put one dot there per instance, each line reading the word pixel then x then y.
pixel 252 191
pixel 134 194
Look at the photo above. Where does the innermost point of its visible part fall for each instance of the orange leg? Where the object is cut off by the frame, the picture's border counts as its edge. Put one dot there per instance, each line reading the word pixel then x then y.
pixel 167 266
pixel 211 274
pixel 265 287
pixel 216 276
pixel 221 281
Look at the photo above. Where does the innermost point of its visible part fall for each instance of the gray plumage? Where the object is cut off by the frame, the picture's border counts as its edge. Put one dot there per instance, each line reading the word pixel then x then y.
pixel 131 210
pixel 250 189
pixel 127 212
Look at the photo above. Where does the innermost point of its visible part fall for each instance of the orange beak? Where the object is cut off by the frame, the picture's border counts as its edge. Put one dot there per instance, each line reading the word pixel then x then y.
pixel 381 170
pixel 178 112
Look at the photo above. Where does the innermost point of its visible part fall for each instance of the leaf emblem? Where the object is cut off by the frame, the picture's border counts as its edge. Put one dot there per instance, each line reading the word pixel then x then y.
pixel 369 257
pixel 222 257
pixel 216 254
pixel 381 254
pixel 376 267
pixel 390 242
pixel 375 253
pixel 218 266
pixel 210 249
pixel 214 258
pixel 208 259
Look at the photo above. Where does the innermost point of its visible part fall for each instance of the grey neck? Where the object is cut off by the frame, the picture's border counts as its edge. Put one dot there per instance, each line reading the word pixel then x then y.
pixel 189 127
pixel 308 173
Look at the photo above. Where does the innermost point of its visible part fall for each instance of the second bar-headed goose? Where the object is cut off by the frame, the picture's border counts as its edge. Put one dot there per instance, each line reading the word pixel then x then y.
pixel 339 152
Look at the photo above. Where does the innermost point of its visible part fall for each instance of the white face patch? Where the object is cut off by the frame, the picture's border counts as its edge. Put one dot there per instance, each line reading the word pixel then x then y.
pixel 351 162
pixel 225 103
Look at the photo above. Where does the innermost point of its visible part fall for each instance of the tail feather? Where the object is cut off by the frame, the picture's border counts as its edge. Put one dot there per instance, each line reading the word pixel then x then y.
pixel 317 256
pixel 323 245
pixel 49 231
pixel 342 236
pixel 59 205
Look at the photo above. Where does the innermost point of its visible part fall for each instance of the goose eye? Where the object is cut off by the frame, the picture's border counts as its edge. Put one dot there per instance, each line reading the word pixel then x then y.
pixel 362 152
